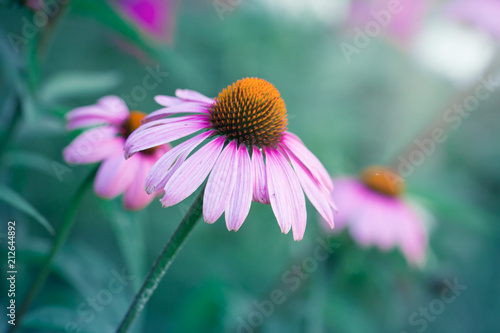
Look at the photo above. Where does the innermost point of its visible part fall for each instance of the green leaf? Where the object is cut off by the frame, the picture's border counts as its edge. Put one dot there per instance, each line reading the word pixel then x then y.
pixel 60 319
pixel 32 161
pixel 16 200
pixel 75 84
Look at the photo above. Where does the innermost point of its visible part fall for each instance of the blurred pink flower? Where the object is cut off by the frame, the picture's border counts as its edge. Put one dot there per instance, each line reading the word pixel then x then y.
pixel 112 123
pixel 153 16
pixel 248 117
pixel 399 19
pixel 376 214
pixel 483 14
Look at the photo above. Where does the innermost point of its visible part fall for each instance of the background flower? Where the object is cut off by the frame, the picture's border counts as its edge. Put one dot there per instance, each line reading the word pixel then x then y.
pixel 376 214
pixel 104 143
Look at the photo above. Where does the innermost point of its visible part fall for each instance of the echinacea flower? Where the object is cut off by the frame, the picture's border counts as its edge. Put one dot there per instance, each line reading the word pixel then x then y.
pixel 482 14
pixel 153 16
pixel 400 19
pixel 112 123
pixel 247 151
pixel 375 212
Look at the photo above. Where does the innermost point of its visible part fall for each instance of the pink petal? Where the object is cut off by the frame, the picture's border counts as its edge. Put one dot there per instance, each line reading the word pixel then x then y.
pixel 241 198
pixel 167 100
pixel 185 107
pixel 412 235
pixel 108 110
pixel 114 175
pixel 348 196
pixel 260 191
pixel 285 194
pixel 94 145
pixel 192 173
pixel 163 131
pixel 135 197
pixel 190 95
pixel 376 223
pixel 165 167
pixel 220 184
pixel 318 197
pixel 318 171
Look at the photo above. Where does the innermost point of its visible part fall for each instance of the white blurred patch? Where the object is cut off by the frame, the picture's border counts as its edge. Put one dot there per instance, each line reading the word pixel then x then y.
pixel 459 52
pixel 325 11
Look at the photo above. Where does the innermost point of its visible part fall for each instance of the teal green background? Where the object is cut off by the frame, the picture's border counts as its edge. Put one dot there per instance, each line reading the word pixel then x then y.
pixel 349 115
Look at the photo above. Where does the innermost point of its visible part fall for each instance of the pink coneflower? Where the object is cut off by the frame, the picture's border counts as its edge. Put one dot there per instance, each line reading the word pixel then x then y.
pixel 105 143
pixel 153 16
pixel 401 19
pixel 376 214
pixel 247 152
pixel 483 14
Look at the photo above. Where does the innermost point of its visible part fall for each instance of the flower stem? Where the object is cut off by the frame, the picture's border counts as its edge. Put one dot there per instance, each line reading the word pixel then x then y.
pixel 162 263
pixel 61 237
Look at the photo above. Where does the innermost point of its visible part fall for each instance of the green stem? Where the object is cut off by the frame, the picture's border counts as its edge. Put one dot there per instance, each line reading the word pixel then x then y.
pixel 61 237
pixel 162 263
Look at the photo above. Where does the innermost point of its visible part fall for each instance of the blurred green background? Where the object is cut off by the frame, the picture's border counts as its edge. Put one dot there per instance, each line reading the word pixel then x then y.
pixel 349 114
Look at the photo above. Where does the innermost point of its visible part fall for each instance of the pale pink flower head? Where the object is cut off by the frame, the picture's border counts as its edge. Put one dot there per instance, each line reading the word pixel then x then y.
pixel 376 214
pixel 483 14
pixel 153 16
pixel 246 149
pixel 111 124
pixel 399 19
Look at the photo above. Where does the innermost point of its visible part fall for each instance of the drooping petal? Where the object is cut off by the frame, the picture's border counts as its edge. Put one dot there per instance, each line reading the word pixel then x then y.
pixel 114 175
pixel 165 167
pixel 260 191
pixel 318 197
pixel 184 107
pixel 241 198
pixel 191 95
pixel 412 235
pixel 192 173
pixel 163 131
pixel 108 110
pixel 285 194
pixel 94 145
pixel 220 184
pixel 297 148
pixel 135 197
pixel 374 224
pixel 348 195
